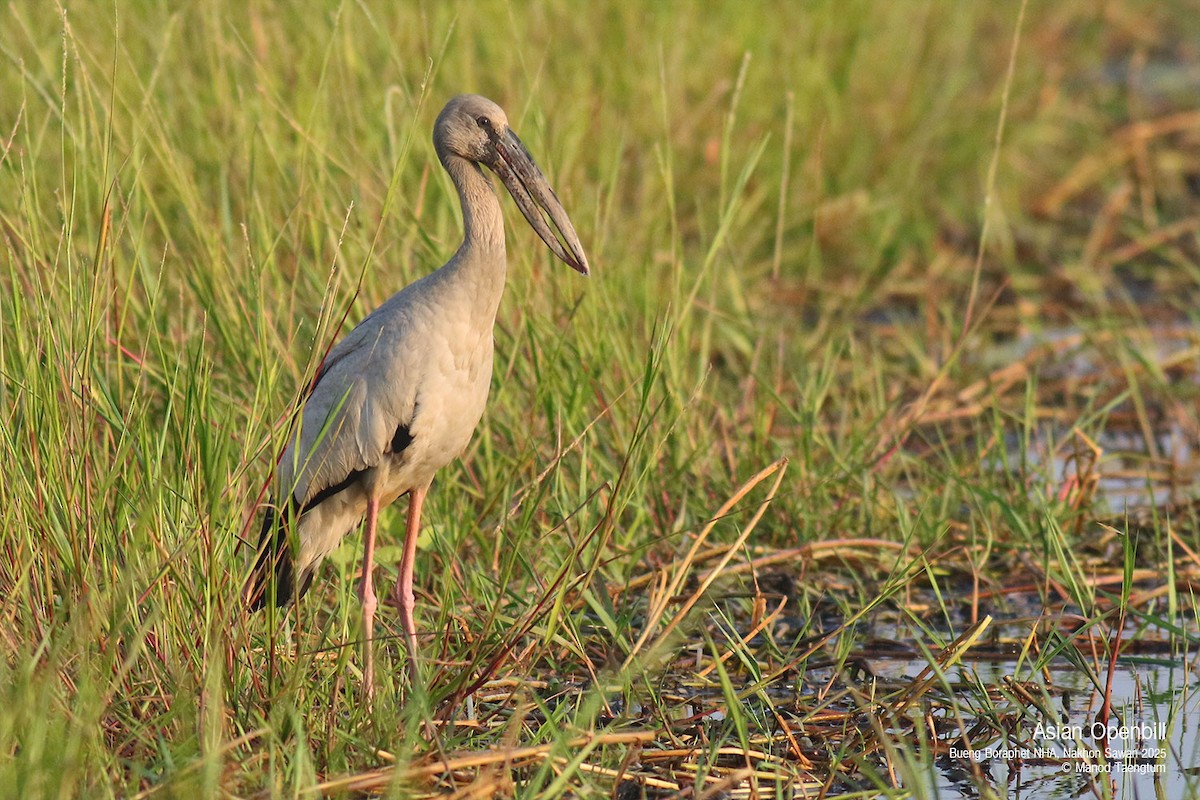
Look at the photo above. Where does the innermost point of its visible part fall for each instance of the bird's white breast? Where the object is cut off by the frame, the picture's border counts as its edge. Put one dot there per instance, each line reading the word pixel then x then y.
pixel 451 399
pixel 451 394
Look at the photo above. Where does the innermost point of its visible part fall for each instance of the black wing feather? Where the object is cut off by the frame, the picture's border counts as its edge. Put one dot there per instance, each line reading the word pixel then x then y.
pixel 401 439
pixel 274 573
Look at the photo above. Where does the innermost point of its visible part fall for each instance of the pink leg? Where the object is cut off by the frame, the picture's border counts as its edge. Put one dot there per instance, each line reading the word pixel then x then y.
pixel 366 593
pixel 404 586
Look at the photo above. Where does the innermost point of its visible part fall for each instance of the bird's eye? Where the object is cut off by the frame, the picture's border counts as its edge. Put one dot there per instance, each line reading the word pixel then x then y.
pixel 484 122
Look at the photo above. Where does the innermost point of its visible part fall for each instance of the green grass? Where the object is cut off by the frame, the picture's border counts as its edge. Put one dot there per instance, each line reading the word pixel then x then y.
pixel 783 208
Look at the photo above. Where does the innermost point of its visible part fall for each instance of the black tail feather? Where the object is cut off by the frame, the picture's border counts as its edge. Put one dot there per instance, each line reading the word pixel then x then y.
pixel 273 578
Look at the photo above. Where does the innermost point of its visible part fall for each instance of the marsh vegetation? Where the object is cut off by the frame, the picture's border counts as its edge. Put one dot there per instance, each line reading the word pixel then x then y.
pixel 873 435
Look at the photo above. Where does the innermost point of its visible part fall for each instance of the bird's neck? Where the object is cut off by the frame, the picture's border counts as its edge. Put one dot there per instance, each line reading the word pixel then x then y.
pixel 482 250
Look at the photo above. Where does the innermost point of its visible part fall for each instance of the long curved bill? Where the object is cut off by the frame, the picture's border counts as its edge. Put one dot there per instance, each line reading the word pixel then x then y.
pixel 529 187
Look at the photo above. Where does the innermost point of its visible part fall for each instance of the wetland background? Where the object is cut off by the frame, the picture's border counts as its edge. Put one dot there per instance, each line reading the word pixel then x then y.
pixel 873 435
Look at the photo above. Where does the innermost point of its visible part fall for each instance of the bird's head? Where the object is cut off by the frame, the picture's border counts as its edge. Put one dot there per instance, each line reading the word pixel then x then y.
pixel 469 126
pixel 475 128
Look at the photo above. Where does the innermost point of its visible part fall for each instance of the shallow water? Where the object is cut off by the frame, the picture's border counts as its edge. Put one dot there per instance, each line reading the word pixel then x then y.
pixel 1154 727
pixel 1123 482
pixel 1132 471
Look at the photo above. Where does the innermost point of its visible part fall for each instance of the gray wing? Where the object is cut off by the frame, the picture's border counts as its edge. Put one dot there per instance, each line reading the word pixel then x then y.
pixel 365 392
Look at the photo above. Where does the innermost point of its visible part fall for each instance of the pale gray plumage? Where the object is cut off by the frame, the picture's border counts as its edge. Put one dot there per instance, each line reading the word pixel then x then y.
pixel 400 396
